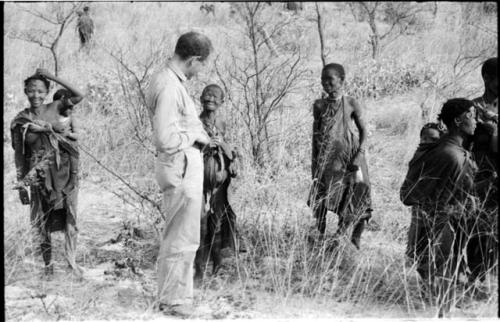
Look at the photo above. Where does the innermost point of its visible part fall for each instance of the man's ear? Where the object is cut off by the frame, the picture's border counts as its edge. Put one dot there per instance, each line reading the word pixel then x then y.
pixel 458 121
pixel 191 60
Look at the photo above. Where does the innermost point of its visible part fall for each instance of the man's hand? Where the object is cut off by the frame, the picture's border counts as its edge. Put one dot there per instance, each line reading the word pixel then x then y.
pixel 214 142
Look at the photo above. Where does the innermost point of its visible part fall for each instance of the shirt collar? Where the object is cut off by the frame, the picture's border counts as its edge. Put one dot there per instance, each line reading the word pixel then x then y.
pixel 177 71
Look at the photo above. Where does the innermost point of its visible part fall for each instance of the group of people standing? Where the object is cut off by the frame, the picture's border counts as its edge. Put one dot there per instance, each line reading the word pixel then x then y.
pixel 46 155
pixel 452 187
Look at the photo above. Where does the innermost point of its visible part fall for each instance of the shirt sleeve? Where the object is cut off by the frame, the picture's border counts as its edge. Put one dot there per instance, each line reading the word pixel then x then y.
pixel 168 136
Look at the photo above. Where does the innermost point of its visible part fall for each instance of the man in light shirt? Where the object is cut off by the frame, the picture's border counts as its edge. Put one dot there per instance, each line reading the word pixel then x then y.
pixel 178 136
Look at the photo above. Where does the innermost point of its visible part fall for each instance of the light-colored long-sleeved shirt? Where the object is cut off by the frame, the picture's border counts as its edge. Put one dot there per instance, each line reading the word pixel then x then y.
pixel 176 125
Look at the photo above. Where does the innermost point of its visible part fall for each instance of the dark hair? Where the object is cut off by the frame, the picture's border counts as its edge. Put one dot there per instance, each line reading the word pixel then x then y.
pixel 453 108
pixel 37 77
pixel 435 126
pixel 490 68
pixel 336 67
pixel 193 44
pixel 61 93
pixel 213 86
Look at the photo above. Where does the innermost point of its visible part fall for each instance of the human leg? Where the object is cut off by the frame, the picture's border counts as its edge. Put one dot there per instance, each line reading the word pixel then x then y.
pixel 320 213
pixel 70 240
pixel 46 249
pixel 181 179
pixel 202 254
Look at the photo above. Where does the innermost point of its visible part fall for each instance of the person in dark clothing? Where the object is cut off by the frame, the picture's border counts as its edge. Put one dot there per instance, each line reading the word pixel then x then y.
pixel 339 169
pixel 417 239
pixel 482 248
pixel 439 186
pixel 42 157
pixel 85 27
pixel 218 227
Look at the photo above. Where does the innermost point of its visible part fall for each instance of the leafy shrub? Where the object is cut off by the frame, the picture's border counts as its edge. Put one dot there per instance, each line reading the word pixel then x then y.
pixel 386 77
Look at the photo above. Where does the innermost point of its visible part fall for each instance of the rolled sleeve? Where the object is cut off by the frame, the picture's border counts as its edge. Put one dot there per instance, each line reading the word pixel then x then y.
pixel 169 137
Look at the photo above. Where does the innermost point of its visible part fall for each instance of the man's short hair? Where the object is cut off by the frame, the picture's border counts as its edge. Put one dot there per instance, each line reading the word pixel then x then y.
pixel 490 68
pixel 193 44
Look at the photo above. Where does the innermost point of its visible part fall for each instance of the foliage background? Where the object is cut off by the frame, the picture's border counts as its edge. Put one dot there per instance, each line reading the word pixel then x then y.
pixel 437 58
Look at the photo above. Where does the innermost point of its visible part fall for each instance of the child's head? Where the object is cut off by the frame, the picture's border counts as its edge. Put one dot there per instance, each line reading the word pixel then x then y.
pixel 61 94
pixel 36 88
pixel 332 79
pixel 431 132
pixel 212 97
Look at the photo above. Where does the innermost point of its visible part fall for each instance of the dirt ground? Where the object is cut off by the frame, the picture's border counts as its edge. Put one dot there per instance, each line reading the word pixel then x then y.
pixel 119 279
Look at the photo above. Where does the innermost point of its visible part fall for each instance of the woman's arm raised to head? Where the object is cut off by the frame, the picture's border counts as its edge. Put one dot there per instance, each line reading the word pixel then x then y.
pixel 76 94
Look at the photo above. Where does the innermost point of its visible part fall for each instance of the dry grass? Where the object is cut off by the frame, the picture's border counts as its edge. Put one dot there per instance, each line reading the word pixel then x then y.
pixel 283 274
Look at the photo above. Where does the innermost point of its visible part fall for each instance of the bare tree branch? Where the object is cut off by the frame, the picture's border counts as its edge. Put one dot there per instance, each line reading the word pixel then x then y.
pixel 38 15
pixel 320 32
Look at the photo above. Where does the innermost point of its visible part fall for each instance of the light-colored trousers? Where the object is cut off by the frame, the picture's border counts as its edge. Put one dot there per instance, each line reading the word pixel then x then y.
pixel 180 177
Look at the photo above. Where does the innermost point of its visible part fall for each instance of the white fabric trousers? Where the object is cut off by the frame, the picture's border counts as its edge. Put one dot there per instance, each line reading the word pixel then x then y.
pixel 180 177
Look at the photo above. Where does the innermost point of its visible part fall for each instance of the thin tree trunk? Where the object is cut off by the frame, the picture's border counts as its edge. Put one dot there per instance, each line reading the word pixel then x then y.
pixel 375 37
pixel 320 32
pixel 56 62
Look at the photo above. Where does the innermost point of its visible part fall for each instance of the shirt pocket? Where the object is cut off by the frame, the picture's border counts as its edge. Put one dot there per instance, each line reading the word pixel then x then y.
pixel 170 170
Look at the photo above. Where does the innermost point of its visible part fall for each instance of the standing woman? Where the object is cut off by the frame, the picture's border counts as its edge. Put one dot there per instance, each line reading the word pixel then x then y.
pixel 439 186
pixel 43 162
pixel 339 167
